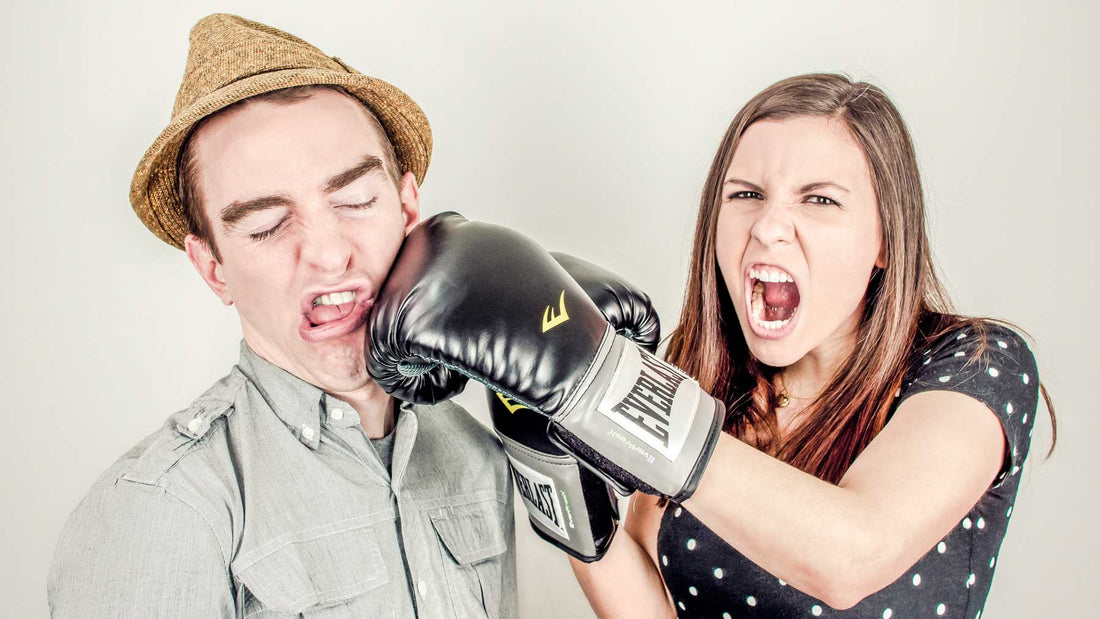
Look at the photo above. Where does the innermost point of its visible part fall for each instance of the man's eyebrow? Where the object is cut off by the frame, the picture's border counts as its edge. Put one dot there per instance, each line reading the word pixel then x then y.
pixel 370 163
pixel 819 184
pixel 238 209
pixel 738 181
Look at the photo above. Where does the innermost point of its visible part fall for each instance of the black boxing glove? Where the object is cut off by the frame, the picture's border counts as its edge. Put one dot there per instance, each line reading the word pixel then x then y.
pixel 487 302
pixel 628 309
pixel 567 504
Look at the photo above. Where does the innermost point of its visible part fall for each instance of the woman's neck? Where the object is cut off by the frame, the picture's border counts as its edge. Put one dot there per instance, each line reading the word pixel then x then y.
pixel 802 382
pixel 808 376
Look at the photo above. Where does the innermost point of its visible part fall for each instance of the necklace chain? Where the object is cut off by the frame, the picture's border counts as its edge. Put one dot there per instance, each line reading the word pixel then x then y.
pixel 783 398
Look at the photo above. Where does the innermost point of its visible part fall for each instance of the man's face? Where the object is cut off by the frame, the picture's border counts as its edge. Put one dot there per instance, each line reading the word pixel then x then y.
pixel 308 222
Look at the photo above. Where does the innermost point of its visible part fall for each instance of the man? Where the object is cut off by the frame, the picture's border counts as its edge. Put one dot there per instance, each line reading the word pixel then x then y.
pixel 294 485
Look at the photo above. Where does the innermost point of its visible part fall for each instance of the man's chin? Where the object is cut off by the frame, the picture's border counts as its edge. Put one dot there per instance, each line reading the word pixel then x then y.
pixel 337 364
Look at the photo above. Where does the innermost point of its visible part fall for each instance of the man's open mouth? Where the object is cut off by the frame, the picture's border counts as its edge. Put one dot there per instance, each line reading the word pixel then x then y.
pixel 773 298
pixel 331 307
pixel 335 314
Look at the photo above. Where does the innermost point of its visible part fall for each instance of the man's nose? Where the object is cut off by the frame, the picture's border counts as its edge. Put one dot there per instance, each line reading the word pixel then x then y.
pixel 774 224
pixel 325 245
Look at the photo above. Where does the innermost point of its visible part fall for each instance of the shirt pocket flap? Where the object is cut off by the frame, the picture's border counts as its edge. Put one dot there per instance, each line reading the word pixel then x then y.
pixel 471 532
pixel 291 575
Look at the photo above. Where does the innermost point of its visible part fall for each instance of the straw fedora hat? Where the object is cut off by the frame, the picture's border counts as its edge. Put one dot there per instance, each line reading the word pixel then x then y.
pixel 232 58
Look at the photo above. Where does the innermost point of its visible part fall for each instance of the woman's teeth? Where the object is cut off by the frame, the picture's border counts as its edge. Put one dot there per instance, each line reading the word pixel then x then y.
pixel 770 275
pixel 335 298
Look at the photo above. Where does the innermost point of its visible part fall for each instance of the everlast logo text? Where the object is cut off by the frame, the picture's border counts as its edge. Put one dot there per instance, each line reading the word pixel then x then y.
pixel 649 402
pixel 539 495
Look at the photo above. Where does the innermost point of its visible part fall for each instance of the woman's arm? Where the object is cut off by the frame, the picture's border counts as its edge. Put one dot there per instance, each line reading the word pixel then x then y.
pixel 915 481
pixel 626 582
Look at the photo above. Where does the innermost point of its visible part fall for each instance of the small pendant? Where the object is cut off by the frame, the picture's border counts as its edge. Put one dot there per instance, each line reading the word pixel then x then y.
pixel 782 400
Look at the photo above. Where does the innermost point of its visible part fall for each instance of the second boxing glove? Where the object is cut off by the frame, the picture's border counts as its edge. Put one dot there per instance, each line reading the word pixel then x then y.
pixel 568 505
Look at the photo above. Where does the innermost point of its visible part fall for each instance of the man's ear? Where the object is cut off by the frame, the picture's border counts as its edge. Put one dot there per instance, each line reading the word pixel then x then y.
pixel 410 201
pixel 198 251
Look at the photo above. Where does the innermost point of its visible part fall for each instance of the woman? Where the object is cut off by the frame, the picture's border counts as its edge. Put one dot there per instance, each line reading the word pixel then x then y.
pixel 873 442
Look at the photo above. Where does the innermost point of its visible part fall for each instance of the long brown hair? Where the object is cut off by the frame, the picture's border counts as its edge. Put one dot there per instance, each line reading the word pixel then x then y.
pixel 905 303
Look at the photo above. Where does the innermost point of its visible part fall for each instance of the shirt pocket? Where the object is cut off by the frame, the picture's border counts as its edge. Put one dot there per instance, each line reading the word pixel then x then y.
pixel 316 577
pixel 472 545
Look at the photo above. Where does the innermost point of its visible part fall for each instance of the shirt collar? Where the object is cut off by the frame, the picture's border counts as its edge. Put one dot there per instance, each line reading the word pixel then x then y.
pixel 296 403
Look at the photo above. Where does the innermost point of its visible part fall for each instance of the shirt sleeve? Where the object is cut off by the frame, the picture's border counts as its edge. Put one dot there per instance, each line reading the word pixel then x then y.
pixel 509 599
pixel 992 365
pixel 135 550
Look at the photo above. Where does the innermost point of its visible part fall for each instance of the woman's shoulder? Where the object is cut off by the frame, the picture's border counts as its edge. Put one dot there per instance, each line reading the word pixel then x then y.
pixel 973 344
pixel 990 362
pixel 986 360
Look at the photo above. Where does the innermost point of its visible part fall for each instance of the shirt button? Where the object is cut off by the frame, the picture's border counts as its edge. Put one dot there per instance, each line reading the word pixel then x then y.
pixel 194 425
pixel 422 588
pixel 336 413
pixel 307 433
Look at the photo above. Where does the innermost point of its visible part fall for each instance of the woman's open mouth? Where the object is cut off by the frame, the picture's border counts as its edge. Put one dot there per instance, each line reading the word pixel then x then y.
pixel 773 301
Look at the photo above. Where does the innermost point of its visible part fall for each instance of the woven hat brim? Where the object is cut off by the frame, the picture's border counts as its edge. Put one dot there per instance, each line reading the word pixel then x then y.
pixel 153 190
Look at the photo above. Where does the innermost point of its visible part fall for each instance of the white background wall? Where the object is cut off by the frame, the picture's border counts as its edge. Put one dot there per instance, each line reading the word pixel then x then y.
pixel 587 125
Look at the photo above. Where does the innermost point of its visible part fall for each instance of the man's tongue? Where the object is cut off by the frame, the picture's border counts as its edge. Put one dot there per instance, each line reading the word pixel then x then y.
pixel 780 300
pixel 321 314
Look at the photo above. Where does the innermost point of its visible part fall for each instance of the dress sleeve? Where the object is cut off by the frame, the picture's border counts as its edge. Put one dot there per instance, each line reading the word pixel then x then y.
pixel 131 550
pixel 992 365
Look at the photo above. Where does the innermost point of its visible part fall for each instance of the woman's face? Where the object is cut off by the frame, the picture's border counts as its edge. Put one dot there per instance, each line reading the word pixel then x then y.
pixel 798 236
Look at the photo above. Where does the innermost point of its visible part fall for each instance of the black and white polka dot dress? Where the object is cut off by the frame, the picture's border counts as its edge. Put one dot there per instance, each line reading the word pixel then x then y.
pixel 709 578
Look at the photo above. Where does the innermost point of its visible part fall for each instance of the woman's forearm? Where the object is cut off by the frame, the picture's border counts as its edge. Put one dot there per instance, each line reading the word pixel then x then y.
pixel 625 582
pixel 804 530
pixel 923 472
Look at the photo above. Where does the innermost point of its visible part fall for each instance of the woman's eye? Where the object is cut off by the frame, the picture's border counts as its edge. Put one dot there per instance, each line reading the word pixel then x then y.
pixel 822 200
pixel 745 195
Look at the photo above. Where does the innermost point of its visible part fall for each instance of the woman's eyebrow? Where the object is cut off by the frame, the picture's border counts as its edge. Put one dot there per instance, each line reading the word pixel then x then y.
pixel 819 184
pixel 738 181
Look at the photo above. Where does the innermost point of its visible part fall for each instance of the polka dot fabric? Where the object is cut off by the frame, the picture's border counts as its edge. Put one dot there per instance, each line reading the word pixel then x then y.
pixel 708 578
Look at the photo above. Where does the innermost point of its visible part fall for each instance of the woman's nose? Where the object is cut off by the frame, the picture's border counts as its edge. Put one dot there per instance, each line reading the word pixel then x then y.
pixel 774 224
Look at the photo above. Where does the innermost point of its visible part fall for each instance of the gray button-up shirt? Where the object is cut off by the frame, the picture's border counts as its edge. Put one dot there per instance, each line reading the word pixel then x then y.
pixel 265 498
